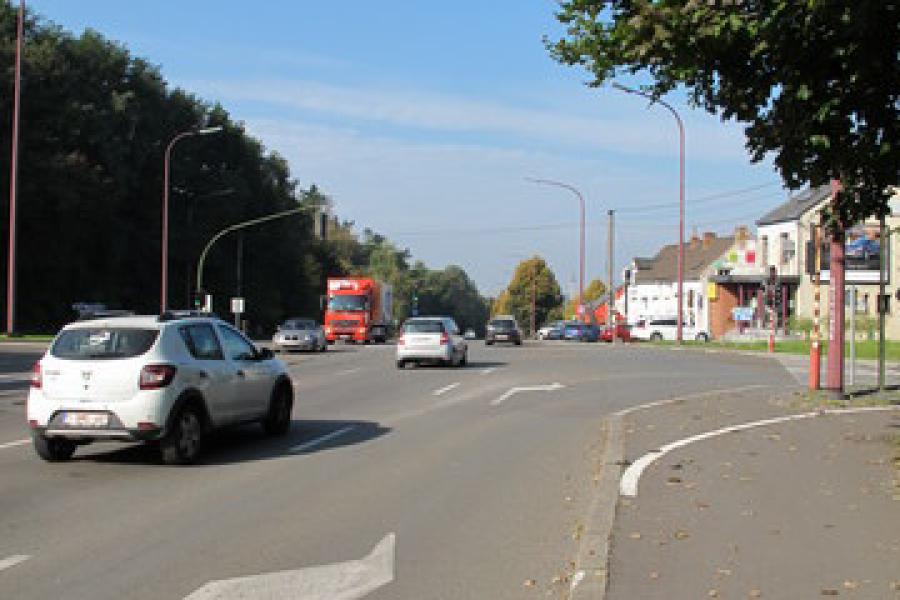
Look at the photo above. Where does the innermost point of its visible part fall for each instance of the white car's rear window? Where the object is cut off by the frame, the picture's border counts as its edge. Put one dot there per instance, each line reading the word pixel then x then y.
pixel 103 343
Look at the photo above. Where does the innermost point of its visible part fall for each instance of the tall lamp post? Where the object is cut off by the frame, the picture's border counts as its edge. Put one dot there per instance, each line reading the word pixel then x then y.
pixel 581 245
pixel 13 179
pixel 164 281
pixel 663 103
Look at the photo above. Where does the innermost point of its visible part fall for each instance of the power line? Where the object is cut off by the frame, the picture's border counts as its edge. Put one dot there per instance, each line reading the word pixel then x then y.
pixel 700 200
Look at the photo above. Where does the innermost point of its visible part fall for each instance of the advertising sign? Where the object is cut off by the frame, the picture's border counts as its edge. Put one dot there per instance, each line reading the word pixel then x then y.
pixel 862 256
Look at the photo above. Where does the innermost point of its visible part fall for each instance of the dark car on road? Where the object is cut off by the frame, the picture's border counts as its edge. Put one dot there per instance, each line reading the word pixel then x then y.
pixel 503 329
pixel 581 332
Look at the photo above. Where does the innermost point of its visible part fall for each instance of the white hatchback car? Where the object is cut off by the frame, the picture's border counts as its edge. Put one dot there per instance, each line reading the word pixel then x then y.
pixel 169 380
pixel 655 330
pixel 431 339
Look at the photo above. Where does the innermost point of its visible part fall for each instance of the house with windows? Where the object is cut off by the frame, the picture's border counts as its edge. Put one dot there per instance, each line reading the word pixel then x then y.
pixel 653 282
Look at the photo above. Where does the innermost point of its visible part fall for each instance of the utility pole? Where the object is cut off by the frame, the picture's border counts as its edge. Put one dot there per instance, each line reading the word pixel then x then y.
pixel 815 352
pixel 239 275
pixel 835 372
pixel 884 240
pixel 533 299
pixel 610 322
pixel 14 178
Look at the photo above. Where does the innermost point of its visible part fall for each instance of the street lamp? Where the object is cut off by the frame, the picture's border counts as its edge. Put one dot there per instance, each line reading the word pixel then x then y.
pixel 164 282
pixel 654 100
pixel 581 247
pixel 13 179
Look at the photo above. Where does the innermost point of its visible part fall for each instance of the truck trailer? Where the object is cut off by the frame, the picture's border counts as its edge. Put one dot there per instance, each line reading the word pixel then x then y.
pixel 359 309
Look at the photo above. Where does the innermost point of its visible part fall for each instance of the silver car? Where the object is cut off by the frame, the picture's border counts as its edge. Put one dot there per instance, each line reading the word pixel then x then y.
pixel 300 334
pixel 431 340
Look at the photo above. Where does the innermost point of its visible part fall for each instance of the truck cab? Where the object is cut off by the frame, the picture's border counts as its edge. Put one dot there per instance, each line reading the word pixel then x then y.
pixel 358 310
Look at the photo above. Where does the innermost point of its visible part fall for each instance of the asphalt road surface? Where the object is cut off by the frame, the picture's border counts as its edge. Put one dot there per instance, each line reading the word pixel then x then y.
pixel 421 483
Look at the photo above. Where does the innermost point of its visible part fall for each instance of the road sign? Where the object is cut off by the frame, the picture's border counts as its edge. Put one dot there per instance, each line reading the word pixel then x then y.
pixel 237 306
pixel 742 313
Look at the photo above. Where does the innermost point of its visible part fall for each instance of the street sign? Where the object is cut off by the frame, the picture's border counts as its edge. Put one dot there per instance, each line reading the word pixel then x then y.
pixel 237 306
pixel 742 313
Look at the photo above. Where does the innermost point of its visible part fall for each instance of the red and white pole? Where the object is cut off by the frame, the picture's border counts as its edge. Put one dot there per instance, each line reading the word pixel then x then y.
pixel 815 352
pixel 834 377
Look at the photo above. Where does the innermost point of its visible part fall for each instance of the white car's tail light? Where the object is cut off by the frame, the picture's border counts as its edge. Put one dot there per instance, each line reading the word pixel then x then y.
pixel 154 377
pixel 37 380
pixel 445 339
pixel 401 340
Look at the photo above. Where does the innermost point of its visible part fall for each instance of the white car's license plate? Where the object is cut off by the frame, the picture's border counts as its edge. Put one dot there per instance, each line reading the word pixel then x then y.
pixel 502 336
pixel 85 419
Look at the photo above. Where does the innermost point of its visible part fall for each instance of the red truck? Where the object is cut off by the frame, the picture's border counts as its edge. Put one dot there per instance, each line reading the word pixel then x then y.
pixel 359 309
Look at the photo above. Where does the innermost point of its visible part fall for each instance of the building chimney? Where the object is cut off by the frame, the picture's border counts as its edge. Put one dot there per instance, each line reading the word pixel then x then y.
pixel 695 240
pixel 741 233
pixel 708 238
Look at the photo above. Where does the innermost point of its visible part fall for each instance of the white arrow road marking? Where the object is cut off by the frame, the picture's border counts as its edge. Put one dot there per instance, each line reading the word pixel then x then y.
pixel 11 561
pixel 15 443
pixel 629 483
pixel 321 440
pixel 339 581
pixel 531 388
pixel 445 389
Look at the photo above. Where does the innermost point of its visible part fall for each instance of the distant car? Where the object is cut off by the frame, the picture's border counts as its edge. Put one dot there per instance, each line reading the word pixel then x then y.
pixel 300 334
pixel 551 331
pixel 581 332
pixel 470 334
pixel 659 329
pixel 167 380
pixel 623 332
pixel 503 329
pixel 431 340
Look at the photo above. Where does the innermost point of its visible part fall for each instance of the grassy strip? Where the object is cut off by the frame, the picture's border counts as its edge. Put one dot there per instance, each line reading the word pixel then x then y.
pixel 865 350
pixel 26 338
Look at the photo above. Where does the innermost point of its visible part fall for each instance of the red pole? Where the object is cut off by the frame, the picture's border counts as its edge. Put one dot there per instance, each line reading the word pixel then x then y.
pixel 14 179
pixel 581 262
pixel 834 376
pixel 680 222
pixel 815 352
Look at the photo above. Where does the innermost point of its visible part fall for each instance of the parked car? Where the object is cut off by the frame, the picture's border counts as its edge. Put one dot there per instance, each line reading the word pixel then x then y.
pixel 503 329
pixel 300 334
pixel 431 340
pixel 551 331
pixel 659 329
pixel 169 379
pixel 623 332
pixel 581 332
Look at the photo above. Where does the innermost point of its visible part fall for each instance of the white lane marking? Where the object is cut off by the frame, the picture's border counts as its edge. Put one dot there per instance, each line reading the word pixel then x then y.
pixel 23 376
pixel 629 483
pixel 530 388
pixel 445 389
pixel 677 399
pixel 321 440
pixel 344 581
pixel 347 371
pixel 11 561
pixel 488 371
pixel 15 443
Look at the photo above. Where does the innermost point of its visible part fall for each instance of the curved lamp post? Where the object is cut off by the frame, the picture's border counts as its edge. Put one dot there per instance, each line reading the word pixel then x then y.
pixel 581 245
pixel 14 178
pixel 666 105
pixel 164 280
pixel 236 227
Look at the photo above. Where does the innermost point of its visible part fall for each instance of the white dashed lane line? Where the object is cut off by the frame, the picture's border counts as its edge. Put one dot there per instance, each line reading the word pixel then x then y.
pixel 445 389
pixel 321 440
pixel 11 561
pixel 15 443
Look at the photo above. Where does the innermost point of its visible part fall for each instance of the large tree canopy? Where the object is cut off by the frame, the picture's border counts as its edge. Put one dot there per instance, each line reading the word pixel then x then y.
pixel 816 81
pixel 532 276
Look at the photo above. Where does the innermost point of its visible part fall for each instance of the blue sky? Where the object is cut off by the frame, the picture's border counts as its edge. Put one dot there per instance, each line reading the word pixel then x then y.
pixel 423 119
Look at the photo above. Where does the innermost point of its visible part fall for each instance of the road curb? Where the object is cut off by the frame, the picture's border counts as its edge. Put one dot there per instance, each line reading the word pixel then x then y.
pixel 591 574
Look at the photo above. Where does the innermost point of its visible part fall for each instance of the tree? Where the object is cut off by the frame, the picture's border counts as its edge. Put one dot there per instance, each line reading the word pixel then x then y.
pixel 816 82
pixel 593 292
pixel 531 276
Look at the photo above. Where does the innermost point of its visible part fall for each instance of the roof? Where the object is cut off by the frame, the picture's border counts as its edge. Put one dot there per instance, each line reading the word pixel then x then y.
pixel 697 257
pixel 141 321
pixel 796 206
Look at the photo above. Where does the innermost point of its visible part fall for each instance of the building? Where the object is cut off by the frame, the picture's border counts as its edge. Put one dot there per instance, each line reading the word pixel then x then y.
pixel 653 283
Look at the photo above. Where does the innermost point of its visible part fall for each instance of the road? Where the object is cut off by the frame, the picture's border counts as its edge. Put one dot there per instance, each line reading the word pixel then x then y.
pixel 476 489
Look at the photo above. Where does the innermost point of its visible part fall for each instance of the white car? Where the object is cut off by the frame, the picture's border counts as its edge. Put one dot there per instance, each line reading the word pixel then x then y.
pixel 300 334
pixel 655 330
pixel 169 379
pixel 431 339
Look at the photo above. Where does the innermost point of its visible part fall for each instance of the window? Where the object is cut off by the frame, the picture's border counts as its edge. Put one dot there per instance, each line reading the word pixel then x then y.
pixel 764 249
pixel 95 343
pixel 348 303
pixel 787 248
pixel 236 347
pixel 201 341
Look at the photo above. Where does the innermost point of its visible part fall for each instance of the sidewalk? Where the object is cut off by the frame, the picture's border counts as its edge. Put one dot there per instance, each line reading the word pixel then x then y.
pixel 802 509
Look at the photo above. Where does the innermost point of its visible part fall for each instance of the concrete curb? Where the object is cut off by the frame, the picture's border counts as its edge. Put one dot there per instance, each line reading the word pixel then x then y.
pixel 591 576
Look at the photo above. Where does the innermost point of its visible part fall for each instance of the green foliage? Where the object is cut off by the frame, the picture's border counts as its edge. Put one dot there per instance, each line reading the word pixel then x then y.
pixel 532 279
pixel 815 82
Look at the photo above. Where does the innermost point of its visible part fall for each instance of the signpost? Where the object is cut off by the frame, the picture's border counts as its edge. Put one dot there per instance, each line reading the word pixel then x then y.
pixel 237 307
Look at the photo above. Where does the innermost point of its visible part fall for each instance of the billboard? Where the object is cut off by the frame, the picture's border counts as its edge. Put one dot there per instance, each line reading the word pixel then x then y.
pixel 862 256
